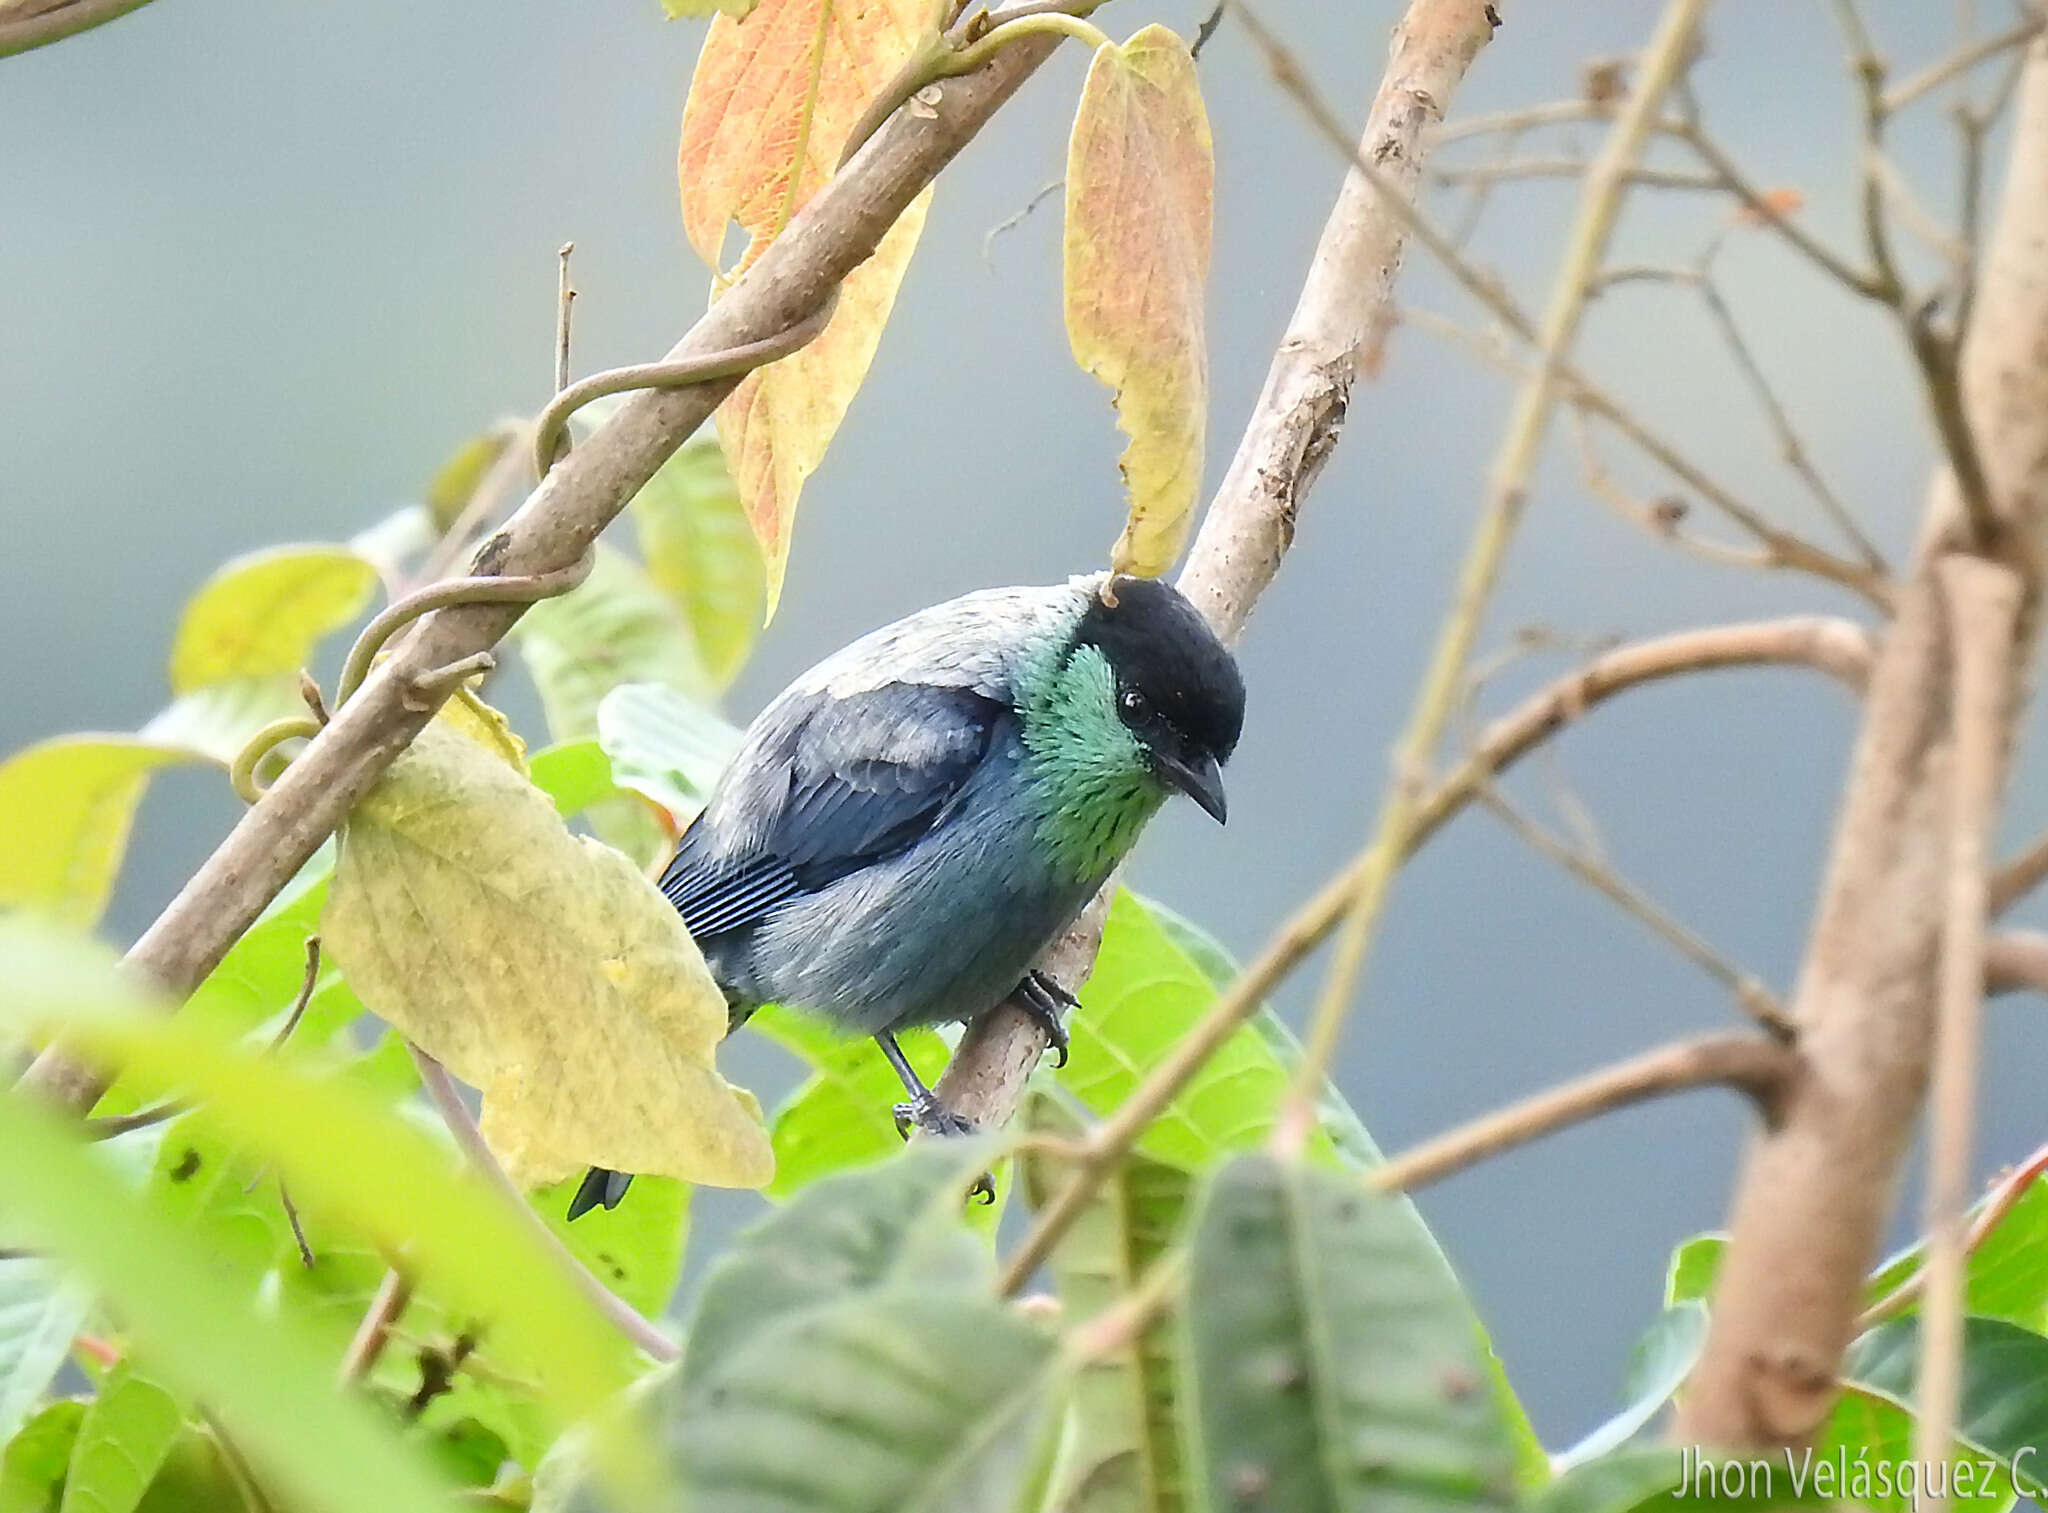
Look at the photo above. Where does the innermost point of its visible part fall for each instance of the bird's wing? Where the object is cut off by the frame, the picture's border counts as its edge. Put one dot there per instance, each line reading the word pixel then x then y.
pixel 825 787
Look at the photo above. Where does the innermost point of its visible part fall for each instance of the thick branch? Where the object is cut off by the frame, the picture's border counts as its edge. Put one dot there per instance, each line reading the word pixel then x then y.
pixel 829 238
pixel 1753 1065
pixel 1292 429
pixel 1815 1195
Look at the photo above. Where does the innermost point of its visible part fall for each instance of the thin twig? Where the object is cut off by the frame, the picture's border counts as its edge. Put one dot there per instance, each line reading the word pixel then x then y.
pixel 1563 167
pixel 120 1124
pixel 374 1332
pixel 565 298
pixel 1745 988
pixel 1983 606
pixel 1015 219
pixel 1960 62
pixel 1662 61
pixel 1757 1067
pixel 447 1100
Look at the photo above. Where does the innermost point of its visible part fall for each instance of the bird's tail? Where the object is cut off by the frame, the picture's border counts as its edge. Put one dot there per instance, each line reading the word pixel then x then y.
pixel 599 1186
pixel 604 1186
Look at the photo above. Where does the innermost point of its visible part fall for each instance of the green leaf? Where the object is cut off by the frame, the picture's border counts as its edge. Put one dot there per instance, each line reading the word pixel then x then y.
pixel 1694 1266
pixel 264 612
pixel 701 552
pixel 65 808
pixel 575 774
pixel 665 746
pixel 542 968
pixel 839 1117
pixel 1122 1449
pixel 1265 1053
pixel 196 1478
pixel 904 1401
pixel 2007 1276
pixel 33 1465
pixel 127 1435
pixel 616 628
pixel 261 1375
pixel 893 1224
pixel 1657 1368
pixel 344 1156
pixel 1145 993
pixel 1865 1453
pixel 40 1312
pixel 2004 1408
pixel 635 1249
pixel 1332 1359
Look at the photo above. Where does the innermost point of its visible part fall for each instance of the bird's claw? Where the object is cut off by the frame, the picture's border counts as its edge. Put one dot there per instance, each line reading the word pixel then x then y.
pixel 928 1116
pixel 1045 1000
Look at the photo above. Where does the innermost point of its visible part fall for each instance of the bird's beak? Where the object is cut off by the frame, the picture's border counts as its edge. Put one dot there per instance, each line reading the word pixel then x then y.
pixel 1199 777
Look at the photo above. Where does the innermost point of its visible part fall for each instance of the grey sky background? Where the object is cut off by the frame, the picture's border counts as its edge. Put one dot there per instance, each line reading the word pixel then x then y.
pixel 262 265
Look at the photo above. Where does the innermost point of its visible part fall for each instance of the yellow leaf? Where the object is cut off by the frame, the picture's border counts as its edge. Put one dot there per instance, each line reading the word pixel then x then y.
pixel 770 107
pixel 542 968
pixel 700 550
pixel 1139 186
pixel 65 808
pixel 776 425
pixel 262 613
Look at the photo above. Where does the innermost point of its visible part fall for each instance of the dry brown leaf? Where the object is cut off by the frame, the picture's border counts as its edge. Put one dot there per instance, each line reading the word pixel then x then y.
pixel 1140 176
pixel 770 107
pixel 540 967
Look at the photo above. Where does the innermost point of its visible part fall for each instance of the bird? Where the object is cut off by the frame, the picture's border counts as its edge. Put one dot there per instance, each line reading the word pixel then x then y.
pixel 909 824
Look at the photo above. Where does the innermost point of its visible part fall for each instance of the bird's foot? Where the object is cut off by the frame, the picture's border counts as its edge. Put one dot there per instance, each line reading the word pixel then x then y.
pixel 925 1114
pixel 928 1116
pixel 1045 1000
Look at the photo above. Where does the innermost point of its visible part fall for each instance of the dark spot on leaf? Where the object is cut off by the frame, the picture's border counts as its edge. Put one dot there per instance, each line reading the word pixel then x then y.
pixel 1458 1383
pixel 187 1167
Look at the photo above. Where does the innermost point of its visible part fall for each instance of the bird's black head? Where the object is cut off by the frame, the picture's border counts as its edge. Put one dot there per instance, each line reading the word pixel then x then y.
pixel 1177 687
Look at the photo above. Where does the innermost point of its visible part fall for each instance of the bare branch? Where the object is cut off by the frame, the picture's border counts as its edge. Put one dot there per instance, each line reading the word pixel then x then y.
pixel 1574 168
pixel 26 24
pixel 1960 62
pixel 1759 1068
pixel 1982 601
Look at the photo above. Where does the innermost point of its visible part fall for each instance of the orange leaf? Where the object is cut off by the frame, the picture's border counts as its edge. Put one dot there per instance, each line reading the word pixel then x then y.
pixel 1773 203
pixel 1139 187
pixel 775 426
pixel 770 107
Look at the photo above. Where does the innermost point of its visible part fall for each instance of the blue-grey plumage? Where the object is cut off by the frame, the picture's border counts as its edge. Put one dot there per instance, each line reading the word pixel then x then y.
pixel 908 825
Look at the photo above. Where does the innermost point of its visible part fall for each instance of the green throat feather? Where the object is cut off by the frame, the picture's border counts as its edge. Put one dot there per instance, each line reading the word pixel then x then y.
pixel 1091 778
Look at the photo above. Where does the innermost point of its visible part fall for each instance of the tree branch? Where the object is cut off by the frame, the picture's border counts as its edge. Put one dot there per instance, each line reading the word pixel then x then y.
pixel 1293 427
pixel 1758 1067
pixel 1982 601
pixel 25 24
pixel 1814 1195
pixel 827 239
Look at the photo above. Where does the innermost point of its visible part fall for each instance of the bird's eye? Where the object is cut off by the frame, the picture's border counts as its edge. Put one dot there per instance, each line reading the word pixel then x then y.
pixel 1135 705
